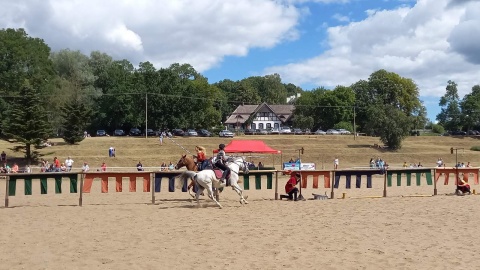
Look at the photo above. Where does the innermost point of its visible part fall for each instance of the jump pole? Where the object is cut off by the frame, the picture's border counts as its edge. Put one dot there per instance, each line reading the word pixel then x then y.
pixel 435 181
pixel 7 180
pixel 385 184
pixel 276 185
pixel 80 199
pixel 332 193
pixel 152 179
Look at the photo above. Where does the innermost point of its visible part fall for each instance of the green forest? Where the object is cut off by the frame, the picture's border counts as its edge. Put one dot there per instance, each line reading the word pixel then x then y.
pixel 47 93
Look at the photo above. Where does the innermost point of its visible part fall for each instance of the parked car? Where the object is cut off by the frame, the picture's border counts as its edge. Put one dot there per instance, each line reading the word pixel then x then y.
pixel 297 131
pixel 204 133
pixel 191 132
pixel 458 133
pixel 135 132
pixel 333 132
pixel 344 131
pixel 285 130
pixel 151 132
pixel 178 132
pixel 226 133
pixel 320 132
pixel 101 133
pixel 119 132
pixel 307 131
pixel 249 131
pixel 274 131
pixel 473 132
pixel 261 132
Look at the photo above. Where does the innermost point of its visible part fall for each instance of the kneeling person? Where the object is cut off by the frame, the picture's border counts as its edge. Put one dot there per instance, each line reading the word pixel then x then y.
pixel 290 187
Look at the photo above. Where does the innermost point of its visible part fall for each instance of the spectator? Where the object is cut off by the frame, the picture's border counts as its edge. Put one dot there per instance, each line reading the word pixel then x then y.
pixel 290 187
pixel 291 160
pixel 104 167
pixel 15 168
pixel 469 165
pixel 161 138
pixel 405 164
pixel 111 151
pixel 85 167
pixel 163 167
pixel 260 165
pixel 335 163
pixel 56 161
pixel 69 164
pixel 3 156
pixel 171 166
pixel 139 166
pixel 28 169
pixel 63 168
pixel 419 165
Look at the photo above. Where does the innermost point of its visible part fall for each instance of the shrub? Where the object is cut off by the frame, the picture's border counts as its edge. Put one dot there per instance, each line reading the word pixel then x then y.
pixel 436 128
pixel 475 148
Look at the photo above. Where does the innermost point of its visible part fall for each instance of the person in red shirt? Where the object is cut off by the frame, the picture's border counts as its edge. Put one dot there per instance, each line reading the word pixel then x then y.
pixel 462 187
pixel 201 157
pixel 290 187
pixel 57 164
pixel 104 167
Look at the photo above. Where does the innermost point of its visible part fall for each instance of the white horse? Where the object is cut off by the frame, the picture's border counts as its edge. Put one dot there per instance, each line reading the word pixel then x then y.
pixel 206 179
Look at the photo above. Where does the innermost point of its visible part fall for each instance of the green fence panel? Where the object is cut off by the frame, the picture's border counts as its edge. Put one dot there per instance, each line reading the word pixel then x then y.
pixel 43 185
pixel 12 186
pixel 428 174
pixel 258 181
pixel 389 179
pixel 419 178
pixel 270 181
pixel 409 178
pixel 28 185
pixel 399 179
pixel 58 184
pixel 246 182
pixel 73 183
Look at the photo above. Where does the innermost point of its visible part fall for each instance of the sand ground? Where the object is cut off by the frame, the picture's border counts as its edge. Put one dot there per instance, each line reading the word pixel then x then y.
pixel 125 231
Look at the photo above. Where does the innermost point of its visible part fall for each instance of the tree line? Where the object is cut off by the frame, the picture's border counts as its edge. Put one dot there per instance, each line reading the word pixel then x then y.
pixel 45 93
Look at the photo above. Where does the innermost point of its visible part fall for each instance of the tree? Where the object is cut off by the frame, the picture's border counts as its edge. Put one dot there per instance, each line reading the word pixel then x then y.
pixel 76 117
pixel 26 122
pixel 470 106
pixel 450 115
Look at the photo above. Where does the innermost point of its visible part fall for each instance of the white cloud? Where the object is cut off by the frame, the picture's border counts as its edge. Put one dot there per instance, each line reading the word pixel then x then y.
pixel 201 33
pixel 340 17
pixel 427 42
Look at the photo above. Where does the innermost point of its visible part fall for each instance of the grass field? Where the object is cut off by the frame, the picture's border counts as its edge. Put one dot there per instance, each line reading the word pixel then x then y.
pixel 318 149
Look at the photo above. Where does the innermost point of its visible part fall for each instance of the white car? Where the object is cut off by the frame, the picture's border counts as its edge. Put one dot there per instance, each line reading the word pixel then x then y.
pixel 285 130
pixel 320 132
pixel 333 132
pixel 226 133
pixel 344 131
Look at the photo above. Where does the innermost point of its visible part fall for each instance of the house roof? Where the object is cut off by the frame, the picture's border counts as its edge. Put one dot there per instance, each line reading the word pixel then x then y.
pixel 243 112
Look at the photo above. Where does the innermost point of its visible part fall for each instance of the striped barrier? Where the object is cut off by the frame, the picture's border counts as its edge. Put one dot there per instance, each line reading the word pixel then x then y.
pixel 315 175
pixel 408 173
pixel 104 176
pixel 258 179
pixel 462 172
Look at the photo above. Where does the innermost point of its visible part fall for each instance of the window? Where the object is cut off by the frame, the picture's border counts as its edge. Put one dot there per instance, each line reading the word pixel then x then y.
pixel 269 125
pixel 254 126
pixel 276 125
pixel 260 126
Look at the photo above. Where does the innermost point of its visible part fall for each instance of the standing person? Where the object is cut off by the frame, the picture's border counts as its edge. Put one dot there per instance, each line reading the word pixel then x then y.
pixel 85 167
pixel 104 167
pixel 201 157
pixel 69 164
pixel 3 156
pixel 56 161
pixel 290 187
pixel 335 163
pixel 161 138
pixel 220 163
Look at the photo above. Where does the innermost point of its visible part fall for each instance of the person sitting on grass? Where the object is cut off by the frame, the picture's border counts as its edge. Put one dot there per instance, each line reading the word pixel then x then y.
pixel 462 187
pixel 290 187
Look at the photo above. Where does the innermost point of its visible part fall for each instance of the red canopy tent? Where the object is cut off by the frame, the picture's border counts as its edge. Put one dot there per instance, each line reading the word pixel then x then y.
pixel 248 146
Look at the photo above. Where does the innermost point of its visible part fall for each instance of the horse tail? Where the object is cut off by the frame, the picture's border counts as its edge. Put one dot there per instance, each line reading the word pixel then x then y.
pixel 184 177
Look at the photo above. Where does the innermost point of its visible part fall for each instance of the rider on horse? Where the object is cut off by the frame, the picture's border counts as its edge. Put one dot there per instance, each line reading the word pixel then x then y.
pixel 220 162
pixel 201 158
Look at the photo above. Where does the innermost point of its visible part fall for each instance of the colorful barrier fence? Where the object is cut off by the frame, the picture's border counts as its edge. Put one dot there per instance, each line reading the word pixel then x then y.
pixel 152 181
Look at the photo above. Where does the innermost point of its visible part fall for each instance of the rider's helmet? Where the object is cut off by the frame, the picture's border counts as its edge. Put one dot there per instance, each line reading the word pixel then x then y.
pixel 221 146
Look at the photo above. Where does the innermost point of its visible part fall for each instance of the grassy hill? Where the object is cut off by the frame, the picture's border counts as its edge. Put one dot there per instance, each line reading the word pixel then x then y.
pixel 318 149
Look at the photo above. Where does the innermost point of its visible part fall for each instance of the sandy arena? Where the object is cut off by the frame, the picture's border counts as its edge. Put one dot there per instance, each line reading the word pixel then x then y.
pixel 125 231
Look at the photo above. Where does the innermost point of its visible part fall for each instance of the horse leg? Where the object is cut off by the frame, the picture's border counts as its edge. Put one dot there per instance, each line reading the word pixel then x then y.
pixel 190 187
pixel 212 196
pixel 239 191
pixel 197 195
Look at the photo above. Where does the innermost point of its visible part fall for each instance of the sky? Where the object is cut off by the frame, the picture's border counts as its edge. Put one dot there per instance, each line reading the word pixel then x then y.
pixel 310 43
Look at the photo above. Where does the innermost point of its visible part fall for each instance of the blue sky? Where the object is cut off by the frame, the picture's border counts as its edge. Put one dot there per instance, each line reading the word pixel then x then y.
pixel 310 43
